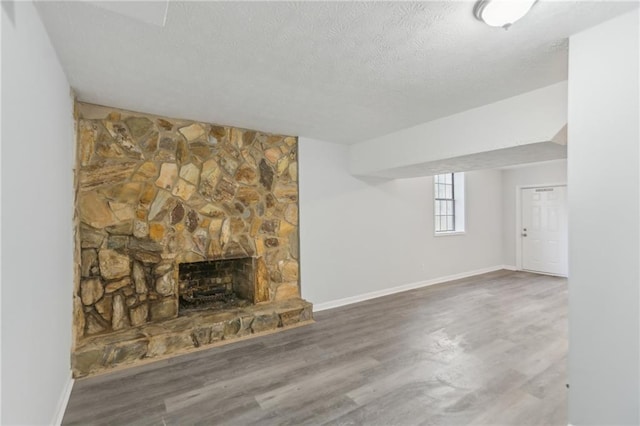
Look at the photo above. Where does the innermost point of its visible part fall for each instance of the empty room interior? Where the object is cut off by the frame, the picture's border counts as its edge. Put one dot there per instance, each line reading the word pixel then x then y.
pixel 345 213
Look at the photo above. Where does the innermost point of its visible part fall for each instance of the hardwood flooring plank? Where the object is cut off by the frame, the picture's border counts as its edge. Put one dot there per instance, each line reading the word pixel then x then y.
pixel 489 349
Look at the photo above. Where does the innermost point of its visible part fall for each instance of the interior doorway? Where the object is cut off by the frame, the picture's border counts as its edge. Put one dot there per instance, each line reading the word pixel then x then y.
pixel 543 230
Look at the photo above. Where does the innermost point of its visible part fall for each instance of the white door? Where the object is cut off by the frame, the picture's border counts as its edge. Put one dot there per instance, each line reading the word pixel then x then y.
pixel 544 233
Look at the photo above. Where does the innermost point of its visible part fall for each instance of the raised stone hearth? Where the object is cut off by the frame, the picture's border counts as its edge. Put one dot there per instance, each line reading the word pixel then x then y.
pixel 179 218
pixel 193 330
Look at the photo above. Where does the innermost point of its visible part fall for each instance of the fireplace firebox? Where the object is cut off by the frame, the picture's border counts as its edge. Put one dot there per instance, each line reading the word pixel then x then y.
pixel 217 284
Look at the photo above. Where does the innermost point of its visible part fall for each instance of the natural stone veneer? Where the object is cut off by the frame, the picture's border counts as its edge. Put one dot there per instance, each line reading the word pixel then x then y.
pixel 155 192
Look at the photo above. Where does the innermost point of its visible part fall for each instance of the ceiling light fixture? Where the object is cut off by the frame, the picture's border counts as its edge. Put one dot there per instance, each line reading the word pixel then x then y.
pixel 501 13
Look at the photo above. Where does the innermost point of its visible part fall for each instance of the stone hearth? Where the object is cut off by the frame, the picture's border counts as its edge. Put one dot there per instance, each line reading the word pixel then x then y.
pixel 156 196
pixel 191 331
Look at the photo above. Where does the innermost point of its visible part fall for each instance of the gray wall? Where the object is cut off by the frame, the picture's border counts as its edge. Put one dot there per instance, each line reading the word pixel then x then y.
pixel 37 203
pixel 365 235
pixel 604 234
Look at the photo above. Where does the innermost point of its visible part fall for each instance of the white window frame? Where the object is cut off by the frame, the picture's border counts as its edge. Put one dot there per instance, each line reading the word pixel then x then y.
pixel 459 195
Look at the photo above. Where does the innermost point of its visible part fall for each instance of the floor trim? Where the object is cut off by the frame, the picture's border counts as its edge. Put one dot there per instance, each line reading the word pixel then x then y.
pixel 387 291
pixel 64 400
pixel 545 273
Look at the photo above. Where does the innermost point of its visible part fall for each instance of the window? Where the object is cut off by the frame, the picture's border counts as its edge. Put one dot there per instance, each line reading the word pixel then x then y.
pixel 449 203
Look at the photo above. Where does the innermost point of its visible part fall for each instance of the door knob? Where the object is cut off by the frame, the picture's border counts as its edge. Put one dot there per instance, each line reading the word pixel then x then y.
pixel 524 234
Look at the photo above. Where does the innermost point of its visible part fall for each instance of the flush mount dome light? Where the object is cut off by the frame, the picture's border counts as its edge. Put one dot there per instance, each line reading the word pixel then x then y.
pixel 501 13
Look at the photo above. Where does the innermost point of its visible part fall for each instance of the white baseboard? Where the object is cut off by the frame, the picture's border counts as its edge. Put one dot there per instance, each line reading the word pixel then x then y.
pixel 387 291
pixel 510 267
pixel 62 403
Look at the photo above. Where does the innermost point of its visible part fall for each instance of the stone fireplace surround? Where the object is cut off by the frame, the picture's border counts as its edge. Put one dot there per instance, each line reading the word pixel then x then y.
pixel 157 195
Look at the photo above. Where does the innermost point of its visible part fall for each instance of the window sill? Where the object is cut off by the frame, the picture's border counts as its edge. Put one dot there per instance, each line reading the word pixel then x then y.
pixel 448 233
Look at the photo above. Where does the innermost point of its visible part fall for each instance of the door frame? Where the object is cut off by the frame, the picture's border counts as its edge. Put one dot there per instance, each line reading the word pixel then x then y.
pixel 517 236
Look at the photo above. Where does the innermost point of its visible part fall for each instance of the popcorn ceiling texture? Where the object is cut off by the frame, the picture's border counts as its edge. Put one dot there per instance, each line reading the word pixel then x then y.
pixel 335 71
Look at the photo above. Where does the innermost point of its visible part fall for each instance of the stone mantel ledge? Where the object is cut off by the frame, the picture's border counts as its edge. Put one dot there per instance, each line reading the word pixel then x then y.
pixel 101 353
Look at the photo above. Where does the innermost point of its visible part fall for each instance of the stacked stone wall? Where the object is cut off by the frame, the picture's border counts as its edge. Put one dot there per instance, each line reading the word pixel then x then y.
pixel 153 192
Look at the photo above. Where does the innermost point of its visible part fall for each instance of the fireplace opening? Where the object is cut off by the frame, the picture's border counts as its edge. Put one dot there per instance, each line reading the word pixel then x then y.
pixel 216 284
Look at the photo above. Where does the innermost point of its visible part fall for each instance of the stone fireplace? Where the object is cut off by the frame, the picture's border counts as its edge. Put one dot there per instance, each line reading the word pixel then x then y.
pixel 186 236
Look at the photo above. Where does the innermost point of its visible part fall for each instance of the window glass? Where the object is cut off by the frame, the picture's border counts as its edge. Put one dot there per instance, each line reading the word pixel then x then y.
pixel 448 204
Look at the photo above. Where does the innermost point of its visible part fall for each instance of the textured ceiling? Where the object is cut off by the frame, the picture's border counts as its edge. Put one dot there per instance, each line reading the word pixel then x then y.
pixel 342 72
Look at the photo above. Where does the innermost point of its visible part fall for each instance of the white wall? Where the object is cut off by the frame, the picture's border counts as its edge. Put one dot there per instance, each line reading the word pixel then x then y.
pixel 358 236
pixel 37 200
pixel 536 116
pixel 532 174
pixel 604 231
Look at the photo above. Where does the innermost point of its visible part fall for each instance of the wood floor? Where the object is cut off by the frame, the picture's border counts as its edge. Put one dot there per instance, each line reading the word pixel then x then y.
pixel 490 349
